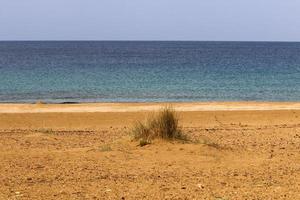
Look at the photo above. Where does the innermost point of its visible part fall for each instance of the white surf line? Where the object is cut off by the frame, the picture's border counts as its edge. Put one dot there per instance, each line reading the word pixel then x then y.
pixel 143 107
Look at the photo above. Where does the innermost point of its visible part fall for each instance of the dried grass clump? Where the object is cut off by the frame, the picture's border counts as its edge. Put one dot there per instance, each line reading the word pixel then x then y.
pixel 163 125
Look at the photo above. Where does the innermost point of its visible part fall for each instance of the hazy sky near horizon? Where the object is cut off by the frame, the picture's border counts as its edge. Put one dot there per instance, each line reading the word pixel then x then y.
pixel 233 20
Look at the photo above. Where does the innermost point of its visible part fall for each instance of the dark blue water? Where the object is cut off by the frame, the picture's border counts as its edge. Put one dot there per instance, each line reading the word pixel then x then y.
pixel 149 71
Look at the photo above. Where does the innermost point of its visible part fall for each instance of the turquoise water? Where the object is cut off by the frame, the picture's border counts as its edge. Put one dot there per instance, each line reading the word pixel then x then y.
pixel 149 71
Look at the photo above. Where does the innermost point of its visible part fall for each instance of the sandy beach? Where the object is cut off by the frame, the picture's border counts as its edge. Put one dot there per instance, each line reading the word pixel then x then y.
pixel 244 150
pixel 145 107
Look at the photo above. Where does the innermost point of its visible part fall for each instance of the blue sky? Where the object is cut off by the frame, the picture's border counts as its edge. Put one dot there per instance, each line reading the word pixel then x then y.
pixel 233 20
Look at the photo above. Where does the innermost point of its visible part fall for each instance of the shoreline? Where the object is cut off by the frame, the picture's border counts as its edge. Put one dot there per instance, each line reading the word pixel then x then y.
pixel 144 107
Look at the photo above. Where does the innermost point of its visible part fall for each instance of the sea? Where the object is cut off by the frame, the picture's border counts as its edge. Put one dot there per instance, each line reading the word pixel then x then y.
pixel 148 71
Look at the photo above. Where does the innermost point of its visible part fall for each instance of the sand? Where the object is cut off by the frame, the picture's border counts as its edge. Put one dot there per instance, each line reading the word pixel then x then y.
pixel 245 150
pixel 143 107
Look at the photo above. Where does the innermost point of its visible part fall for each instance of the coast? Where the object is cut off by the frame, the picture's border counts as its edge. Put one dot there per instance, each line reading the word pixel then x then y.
pixel 62 151
pixel 144 107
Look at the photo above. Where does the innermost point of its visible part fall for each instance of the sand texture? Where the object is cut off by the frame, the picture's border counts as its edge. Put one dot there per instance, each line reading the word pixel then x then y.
pixel 85 151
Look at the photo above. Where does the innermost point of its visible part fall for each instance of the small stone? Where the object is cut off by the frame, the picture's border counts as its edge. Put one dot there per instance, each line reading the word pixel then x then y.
pixel 223 183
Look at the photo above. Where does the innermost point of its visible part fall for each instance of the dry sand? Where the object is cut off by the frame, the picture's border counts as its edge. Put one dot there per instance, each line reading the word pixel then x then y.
pixel 142 107
pixel 84 151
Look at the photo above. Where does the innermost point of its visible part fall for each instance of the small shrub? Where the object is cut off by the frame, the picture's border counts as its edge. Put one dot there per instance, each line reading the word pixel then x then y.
pixel 163 125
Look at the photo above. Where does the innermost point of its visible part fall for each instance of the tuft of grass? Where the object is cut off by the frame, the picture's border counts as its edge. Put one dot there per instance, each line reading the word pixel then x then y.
pixel 163 125
pixel 105 148
pixel 144 143
pixel 45 130
pixel 209 143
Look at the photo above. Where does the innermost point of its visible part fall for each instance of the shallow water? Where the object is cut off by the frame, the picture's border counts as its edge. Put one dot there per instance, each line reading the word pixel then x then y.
pixel 149 71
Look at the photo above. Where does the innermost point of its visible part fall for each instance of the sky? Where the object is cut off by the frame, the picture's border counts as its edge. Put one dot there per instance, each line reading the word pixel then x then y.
pixel 203 20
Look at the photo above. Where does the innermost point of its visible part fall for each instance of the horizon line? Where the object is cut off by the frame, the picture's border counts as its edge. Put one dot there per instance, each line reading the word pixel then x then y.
pixel 87 40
